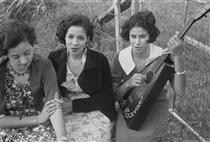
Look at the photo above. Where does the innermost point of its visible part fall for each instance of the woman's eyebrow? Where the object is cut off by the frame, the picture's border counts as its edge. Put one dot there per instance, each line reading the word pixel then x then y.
pixel 27 50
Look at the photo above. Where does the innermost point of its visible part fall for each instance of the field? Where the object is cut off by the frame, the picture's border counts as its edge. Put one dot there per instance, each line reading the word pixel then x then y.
pixel 194 106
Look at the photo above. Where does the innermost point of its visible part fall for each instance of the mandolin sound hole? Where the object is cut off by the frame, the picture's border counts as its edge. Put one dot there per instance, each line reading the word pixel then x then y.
pixel 149 77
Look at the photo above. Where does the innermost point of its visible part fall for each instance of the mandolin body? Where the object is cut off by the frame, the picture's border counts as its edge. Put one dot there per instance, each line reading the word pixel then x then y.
pixel 138 101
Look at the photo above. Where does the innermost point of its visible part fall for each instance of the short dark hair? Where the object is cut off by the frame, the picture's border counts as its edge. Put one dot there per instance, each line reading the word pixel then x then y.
pixel 74 20
pixel 13 32
pixel 144 19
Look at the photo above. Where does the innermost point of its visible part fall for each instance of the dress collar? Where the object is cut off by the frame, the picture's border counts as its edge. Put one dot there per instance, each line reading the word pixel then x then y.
pixel 89 62
pixel 126 59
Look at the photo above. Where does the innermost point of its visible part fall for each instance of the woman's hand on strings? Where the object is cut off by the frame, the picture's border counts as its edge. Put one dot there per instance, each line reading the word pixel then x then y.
pixel 136 80
pixel 175 45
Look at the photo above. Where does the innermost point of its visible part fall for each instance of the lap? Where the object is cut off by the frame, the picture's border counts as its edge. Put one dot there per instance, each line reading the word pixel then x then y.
pixel 152 129
pixel 88 127
pixel 40 133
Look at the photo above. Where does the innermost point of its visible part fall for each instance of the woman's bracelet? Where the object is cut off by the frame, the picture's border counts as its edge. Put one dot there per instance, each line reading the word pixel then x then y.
pixel 181 73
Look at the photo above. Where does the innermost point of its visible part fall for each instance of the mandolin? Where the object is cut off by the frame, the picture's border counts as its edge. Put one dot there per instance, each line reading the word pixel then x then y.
pixel 138 101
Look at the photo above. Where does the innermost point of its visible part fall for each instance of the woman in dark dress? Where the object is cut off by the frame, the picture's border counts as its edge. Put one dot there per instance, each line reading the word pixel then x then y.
pixel 84 80
pixel 141 32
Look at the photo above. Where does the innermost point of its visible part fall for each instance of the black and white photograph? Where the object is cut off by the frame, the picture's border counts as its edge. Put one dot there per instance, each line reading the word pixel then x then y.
pixel 104 70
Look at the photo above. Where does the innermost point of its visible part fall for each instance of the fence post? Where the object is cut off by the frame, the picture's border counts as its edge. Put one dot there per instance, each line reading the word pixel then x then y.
pixel 117 24
pixel 149 5
pixel 134 6
pixel 185 12
pixel 141 5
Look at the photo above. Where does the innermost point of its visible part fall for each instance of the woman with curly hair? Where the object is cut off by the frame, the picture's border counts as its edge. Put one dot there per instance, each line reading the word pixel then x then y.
pixel 84 80
pixel 29 95
pixel 140 30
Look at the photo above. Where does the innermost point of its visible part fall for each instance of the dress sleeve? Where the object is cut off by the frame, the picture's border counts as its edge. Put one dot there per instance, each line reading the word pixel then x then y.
pixel 2 105
pixel 51 57
pixel 49 81
pixel 116 71
pixel 2 77
pixel 169 61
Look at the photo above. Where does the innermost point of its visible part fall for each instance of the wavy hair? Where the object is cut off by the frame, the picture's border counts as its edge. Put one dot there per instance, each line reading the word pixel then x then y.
pixel 144 19
pixel 74 20
pixel 13 32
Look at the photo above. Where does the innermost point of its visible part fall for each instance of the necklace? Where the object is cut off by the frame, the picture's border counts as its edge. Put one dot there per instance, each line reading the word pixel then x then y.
pixel 82 60
pixel 11 69
pixel 76 66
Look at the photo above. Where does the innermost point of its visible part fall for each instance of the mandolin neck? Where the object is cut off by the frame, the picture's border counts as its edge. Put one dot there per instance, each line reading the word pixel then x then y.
pixel 159 62
pixel 181 36
pixel 186 28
